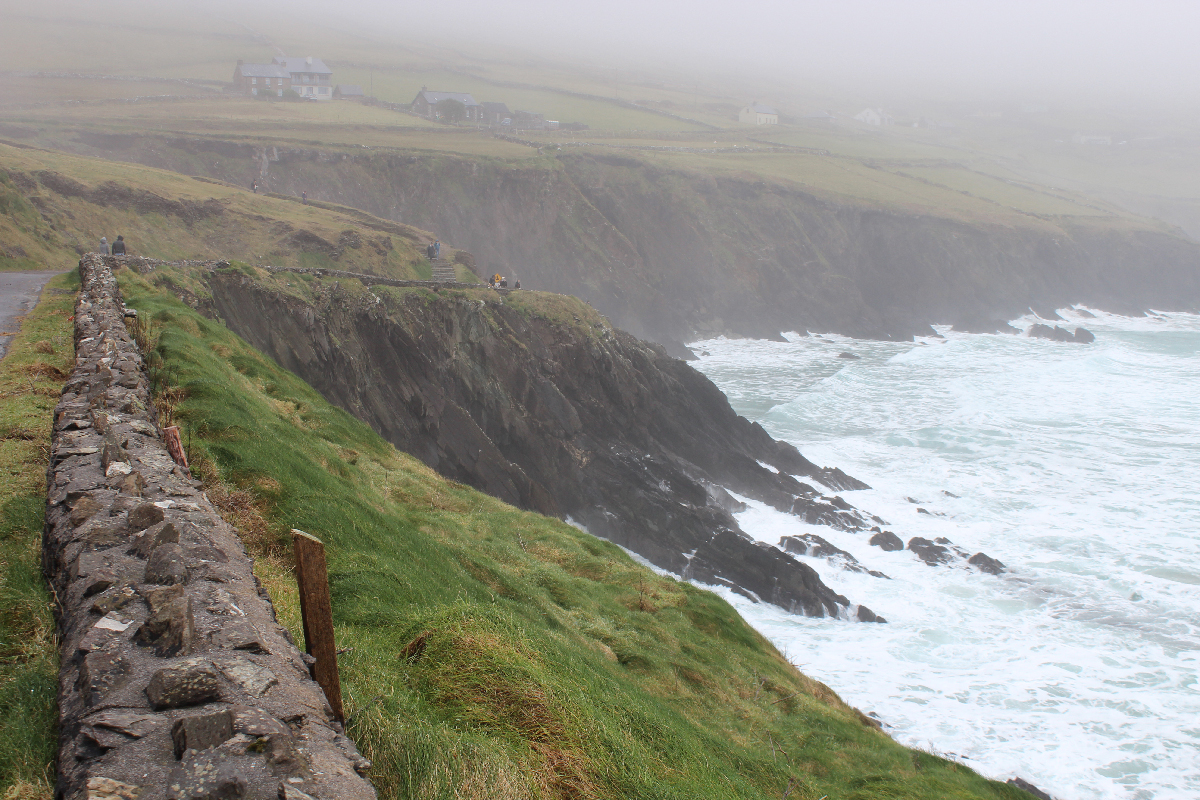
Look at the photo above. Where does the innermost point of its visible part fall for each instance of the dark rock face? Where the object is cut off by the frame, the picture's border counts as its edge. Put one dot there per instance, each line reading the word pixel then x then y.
pixel 929 552
pixel 582 420
pixel 887 540
pixel 1026 786
pixel 985 563
pixel 1057 334
pixel 808 544
pixel 147 625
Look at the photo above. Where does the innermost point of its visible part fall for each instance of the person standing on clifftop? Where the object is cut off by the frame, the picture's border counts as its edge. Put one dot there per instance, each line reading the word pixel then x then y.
pixel 104 246
pixel 304 198
pixel 118 247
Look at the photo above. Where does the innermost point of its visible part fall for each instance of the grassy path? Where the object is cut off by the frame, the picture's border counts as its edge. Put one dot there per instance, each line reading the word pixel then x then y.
pixel 31 378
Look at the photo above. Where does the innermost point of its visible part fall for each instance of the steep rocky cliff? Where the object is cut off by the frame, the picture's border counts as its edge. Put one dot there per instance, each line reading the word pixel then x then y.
pixel 673 254
pixel 537 400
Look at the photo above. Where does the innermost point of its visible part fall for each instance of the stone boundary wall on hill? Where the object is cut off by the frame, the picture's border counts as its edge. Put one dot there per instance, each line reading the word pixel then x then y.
pixel 176 679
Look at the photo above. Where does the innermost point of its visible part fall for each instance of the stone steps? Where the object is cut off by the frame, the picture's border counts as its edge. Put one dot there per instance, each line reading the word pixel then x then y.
pixel 443 270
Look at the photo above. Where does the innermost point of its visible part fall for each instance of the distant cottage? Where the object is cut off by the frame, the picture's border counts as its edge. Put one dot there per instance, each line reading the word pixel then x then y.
pixel 495 114
pixel 758 114
pixel 308 77
pixel 261 79
pixel 446 105
pixel 874 116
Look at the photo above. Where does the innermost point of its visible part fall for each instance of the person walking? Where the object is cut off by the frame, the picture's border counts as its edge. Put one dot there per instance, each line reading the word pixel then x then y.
pixel 304 198
pixel 254 186
pixel 437 248
pixel 104 246
pixel 118 247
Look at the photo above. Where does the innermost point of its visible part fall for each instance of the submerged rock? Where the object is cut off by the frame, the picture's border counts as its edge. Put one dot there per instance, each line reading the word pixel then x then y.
pixel 985 563
pixel 888 541
pixel 809 544
pixel 1058 334
pixel 932 554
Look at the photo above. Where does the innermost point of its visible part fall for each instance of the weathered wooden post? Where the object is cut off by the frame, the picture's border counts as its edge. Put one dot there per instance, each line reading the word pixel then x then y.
pixel 317 612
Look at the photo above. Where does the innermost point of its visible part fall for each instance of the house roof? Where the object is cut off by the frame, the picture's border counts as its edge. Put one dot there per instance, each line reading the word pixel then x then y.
pixel 759 108
pixel 498 108
pixel 297 64
pixel 350 89
pixel 433 98
pixel 262 71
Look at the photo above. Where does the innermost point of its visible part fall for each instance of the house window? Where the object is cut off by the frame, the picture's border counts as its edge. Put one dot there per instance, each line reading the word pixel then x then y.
pixel 254 81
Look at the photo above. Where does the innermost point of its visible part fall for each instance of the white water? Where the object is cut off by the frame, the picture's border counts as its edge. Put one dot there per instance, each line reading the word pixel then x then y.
pixel 1078 466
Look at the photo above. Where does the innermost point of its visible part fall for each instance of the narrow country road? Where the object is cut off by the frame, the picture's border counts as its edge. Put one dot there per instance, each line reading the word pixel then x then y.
pixel 19 293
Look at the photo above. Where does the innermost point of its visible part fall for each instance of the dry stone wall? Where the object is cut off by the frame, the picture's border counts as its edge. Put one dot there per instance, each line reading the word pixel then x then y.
pixel 176 679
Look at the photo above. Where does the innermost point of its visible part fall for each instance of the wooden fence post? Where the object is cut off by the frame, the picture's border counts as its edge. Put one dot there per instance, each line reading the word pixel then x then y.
pixel 317 612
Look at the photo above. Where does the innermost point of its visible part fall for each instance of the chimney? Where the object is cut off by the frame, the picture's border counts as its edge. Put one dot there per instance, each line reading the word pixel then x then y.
pixel 239 62
pixel 308 61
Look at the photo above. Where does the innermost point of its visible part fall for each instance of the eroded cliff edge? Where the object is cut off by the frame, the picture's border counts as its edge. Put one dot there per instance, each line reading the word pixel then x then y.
pixel 674 254
pixel 538 400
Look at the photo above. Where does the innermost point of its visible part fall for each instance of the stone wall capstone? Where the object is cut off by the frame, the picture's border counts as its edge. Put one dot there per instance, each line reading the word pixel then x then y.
pixel 176 679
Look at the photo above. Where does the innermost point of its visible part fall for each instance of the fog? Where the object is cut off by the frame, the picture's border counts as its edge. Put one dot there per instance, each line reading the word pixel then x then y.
pixel 1116 50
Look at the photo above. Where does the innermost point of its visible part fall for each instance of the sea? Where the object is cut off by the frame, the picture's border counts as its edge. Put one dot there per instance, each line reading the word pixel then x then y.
pixel 1078 467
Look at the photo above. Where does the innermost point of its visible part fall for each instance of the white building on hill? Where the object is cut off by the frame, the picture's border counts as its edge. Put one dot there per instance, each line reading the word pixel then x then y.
pixel 310 77
pixel 874 116
pixel 758 114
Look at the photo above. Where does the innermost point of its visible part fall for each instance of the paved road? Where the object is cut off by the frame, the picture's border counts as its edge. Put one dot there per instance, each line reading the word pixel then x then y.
pixel 19 293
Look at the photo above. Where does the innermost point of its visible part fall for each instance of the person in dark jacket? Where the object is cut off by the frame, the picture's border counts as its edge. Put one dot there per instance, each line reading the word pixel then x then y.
pixel 118 247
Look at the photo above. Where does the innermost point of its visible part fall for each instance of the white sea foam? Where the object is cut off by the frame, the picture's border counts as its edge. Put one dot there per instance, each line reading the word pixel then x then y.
pixel 1078 466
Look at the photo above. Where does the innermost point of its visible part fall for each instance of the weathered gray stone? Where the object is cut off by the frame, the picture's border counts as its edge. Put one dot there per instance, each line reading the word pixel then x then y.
pixel 239 635
pixel 201 731
pixel 100 672
pixel 132 484
pixel 186 683
pixel 153 537
pixel 289 792
pixel 99 788
pixel 132 724
pixel 167 565
pixel 106 536
pixel 84 509
pixel 254 679
pixel 144 516
pixel 114 599
pixel 171 629
pixel 206 776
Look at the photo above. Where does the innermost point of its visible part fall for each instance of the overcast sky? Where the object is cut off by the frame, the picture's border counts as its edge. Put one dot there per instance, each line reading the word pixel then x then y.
pixel 1119 48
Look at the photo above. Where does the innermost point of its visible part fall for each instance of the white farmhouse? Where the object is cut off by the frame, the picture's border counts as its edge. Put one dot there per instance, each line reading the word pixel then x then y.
pixel 874 116
pixel 310 78
pixel 757 114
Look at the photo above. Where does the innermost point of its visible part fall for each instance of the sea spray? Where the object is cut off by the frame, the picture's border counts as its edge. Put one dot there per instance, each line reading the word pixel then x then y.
pixel 1078 466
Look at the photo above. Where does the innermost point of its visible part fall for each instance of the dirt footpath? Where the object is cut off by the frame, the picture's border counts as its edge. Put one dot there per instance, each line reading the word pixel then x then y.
pixel 19 292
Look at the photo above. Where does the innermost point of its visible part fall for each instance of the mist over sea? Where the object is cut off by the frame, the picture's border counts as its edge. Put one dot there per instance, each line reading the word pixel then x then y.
pixel 1078 466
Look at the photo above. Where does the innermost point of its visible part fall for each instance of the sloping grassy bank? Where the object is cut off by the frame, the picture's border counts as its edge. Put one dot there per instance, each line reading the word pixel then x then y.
pixel 31 378
pixel 496 653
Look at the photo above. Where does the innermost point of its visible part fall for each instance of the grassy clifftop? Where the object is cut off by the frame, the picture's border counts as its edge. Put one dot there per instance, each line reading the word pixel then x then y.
pixel 497 653
pixel 54 207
